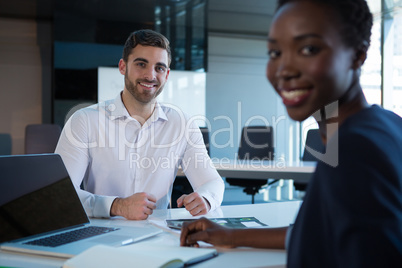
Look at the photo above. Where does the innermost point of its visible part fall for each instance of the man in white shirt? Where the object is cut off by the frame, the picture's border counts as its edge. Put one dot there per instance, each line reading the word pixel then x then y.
pixel 126 151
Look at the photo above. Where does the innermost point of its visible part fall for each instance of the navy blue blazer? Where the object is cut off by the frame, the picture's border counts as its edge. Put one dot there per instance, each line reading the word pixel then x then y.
pixel 352 211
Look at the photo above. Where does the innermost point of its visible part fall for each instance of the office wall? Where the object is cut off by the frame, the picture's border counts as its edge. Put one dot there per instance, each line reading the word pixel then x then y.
pixel 238 94
pixel 20 79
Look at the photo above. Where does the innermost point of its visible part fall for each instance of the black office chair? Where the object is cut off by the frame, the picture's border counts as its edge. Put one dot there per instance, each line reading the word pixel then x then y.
pixel 313 141
pixel 181 184
pixel 41 138
pixel 5 144
pixel 257 142
pixel 205 136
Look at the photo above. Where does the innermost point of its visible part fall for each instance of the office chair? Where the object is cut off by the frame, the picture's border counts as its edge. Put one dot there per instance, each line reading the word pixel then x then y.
pixel 181 184
pixel 205 136
pixel 313 141
pixel 257 142
pixel 5 144
pixel 41 138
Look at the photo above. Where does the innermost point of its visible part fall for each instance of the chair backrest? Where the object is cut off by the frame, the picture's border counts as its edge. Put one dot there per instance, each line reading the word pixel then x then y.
pixel 314 141
pixel 41 138
pixel 205 136
pixel 5 144
pixel 257 142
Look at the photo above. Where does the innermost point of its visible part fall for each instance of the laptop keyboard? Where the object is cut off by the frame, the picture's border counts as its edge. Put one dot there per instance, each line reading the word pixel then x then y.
pixel 72 236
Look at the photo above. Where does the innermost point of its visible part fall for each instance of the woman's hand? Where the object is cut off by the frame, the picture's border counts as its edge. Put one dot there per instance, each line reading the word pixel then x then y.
pixel 206 231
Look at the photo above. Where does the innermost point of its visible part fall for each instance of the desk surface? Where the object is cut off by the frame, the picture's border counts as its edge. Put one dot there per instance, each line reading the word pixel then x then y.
pixel 274 214
pixel 255 169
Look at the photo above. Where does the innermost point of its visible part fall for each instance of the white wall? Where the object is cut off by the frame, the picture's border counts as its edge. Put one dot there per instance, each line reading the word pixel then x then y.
pixel 20 79
pixel 238 94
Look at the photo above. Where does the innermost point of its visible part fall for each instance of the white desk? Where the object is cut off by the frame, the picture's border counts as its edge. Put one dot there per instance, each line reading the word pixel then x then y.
pixel 273 214
pixel 256 169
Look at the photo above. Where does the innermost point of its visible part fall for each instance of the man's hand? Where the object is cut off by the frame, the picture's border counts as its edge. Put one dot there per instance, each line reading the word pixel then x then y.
pixel 194 203
pixel 207 231
pixel 135 207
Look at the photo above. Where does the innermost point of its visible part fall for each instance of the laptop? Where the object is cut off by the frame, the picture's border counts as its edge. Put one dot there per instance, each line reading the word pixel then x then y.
pixel 41 213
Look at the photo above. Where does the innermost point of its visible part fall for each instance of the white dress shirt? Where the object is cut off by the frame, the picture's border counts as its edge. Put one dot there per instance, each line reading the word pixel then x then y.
pixel 114 156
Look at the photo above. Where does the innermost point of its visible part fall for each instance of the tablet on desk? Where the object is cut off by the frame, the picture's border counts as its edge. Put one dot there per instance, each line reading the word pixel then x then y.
pixel 240 222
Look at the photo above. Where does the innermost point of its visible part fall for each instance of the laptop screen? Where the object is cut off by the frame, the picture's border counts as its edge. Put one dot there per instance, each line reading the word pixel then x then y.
pixel 53 206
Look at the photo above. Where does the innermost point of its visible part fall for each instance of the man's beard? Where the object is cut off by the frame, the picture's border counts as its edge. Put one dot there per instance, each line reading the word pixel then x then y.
pixel 141 97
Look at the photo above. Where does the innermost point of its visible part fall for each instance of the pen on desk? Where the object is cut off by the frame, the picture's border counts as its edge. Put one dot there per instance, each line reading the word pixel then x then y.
pixel 127 242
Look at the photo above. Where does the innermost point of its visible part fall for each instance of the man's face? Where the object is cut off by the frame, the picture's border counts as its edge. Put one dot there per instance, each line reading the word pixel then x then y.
pixel 145 72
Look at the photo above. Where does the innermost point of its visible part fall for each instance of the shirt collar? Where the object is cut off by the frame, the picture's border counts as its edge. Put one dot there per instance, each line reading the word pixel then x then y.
pixel 158 113
pixel 118 110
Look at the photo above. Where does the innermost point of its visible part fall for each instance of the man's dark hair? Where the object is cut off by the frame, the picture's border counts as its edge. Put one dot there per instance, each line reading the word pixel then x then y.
pixel 146 38
pixel 354 16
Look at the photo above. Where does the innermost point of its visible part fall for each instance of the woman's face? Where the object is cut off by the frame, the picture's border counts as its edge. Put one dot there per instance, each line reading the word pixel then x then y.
pixel 309 65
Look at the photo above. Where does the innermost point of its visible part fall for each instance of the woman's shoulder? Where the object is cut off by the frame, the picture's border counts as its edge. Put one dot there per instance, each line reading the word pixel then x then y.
pixel 374 124
pixel 371 140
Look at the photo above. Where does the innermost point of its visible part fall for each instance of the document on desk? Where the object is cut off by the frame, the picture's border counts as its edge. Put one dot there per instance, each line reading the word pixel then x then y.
pixel 237 222
pixel 140 255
